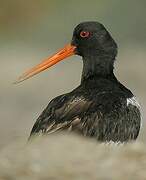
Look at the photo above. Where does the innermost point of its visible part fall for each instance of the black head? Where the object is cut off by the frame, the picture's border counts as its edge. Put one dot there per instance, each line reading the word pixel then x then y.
pixel 92 39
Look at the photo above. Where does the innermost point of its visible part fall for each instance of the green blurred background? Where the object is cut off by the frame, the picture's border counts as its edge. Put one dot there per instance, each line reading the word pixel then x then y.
pixel 32 30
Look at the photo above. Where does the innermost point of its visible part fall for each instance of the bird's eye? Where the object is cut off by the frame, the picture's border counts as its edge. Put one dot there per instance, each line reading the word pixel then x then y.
pixel 84 34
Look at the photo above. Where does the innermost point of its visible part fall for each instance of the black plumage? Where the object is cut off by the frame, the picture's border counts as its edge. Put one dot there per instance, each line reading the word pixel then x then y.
pixel 100 107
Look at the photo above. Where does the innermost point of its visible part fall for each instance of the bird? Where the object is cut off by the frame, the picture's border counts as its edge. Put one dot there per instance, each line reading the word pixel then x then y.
pixel 100 107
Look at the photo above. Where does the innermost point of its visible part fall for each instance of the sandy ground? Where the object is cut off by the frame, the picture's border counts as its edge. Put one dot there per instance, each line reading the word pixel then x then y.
pixel 63 157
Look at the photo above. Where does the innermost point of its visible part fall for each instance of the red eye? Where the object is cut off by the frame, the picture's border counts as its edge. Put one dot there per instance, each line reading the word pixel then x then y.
pixel 84 34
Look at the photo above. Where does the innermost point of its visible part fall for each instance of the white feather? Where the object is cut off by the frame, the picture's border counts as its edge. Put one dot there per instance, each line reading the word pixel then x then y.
pixel 133 102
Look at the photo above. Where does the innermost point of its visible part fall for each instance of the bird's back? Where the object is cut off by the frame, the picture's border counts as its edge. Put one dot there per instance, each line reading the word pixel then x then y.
pixel 101 108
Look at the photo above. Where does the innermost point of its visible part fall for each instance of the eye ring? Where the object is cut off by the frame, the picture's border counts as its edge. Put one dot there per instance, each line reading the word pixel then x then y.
pixel 84 34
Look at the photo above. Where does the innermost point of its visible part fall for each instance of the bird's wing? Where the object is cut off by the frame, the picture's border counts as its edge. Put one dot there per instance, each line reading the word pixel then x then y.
pixel 61 113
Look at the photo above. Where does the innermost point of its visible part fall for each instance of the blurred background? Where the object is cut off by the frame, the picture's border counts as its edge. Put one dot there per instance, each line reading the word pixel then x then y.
pixel 32 30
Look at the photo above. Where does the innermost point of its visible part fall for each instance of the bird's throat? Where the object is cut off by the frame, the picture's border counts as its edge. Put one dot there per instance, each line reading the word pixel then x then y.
pixel 97 66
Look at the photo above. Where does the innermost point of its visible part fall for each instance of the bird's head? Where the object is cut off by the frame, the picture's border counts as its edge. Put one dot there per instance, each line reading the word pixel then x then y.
pixel 90 39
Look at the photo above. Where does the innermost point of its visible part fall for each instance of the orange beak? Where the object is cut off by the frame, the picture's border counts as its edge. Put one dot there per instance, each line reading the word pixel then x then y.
pixel 67 51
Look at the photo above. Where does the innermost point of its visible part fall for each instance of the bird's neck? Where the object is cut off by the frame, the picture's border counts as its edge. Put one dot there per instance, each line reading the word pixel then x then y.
pixel 97 66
